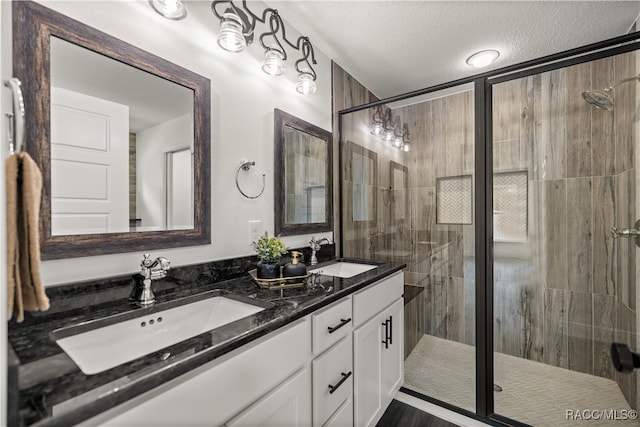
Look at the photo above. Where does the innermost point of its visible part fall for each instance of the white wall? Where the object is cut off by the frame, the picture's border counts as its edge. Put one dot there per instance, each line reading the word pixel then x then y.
pixel 242 103
pixel 151 145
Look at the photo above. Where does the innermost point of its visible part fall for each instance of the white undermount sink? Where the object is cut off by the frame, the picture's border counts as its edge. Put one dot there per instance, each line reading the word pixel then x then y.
pixel 343 269
pixel 106 347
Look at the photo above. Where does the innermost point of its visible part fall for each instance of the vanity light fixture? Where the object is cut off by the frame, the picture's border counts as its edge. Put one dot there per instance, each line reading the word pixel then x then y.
pixel 170 9
pixel 237 26
pixel 483 58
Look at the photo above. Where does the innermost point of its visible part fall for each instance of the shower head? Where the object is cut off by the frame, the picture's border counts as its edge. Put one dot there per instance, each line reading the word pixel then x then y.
pixel 603 99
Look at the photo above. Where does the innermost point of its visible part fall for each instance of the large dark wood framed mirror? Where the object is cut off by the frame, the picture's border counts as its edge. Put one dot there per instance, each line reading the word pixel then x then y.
pixel 140 184
pixel 303 176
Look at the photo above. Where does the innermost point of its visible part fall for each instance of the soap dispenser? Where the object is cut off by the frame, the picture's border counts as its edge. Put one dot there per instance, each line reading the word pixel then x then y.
pixel 295 267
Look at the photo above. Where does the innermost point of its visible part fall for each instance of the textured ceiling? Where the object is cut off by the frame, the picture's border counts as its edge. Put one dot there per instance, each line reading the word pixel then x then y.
pixel 394 47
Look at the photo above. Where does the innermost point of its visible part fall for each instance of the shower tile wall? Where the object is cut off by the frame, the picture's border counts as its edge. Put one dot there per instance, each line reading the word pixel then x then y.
pixel 571 291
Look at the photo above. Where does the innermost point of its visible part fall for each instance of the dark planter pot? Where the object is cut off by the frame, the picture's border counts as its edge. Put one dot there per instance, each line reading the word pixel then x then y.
pixel 268 270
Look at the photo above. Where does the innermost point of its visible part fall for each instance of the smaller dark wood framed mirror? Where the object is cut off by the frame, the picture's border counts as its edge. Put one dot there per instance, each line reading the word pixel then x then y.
pixel 303 176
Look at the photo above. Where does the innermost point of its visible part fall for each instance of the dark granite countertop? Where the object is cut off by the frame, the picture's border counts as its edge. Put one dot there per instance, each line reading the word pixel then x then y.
pixel 55 392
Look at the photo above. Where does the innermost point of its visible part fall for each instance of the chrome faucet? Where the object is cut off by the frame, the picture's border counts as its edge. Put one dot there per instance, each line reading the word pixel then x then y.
pixel 315 246
pixel 149 270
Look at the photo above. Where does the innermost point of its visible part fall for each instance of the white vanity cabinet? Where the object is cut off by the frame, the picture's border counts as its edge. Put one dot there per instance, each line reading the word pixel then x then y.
pixel 378 345
pixel 238 388
pixel 338 367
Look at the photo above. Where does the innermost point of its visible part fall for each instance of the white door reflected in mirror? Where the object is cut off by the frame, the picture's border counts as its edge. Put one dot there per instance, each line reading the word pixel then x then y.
pixel 109 170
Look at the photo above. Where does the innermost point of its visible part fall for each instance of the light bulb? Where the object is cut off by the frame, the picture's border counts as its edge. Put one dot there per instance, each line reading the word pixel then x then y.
pixel 406 147
pixel 230 37
pixel 377 128
pixel 170 9
pixel 305 84
pixel 397 141
pixel 273 62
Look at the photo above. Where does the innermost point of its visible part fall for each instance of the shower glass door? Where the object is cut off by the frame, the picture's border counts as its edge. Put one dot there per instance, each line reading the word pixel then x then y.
pixel 564 174
pixel 415 206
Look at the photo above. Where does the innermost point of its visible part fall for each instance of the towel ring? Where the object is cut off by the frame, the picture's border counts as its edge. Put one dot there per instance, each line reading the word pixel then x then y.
pixel 245 166
pixel 16 118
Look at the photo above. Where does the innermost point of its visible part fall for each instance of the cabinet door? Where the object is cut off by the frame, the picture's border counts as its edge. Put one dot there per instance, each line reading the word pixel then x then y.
pixel 392 359
pixel 288 405
pixel 367 366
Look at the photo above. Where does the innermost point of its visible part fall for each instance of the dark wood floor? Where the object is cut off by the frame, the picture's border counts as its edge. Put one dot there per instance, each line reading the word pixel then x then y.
pixel 399 414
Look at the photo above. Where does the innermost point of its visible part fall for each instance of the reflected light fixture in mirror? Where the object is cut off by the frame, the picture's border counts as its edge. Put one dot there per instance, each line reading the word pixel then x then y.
pixel 389 127
pixel 483 58
pixel 170 9
pixel 377 127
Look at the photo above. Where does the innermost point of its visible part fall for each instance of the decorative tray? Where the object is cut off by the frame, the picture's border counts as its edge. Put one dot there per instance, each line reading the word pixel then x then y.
pixel 280 282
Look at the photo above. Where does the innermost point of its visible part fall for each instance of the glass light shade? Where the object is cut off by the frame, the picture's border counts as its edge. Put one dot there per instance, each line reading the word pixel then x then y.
pixel 388 135
pixel 230 37
pixel 397 141
pixel 305 84
pixel 273 63
pixel 170 9
pixel 483 58
pixel 406 147
pixel 377 128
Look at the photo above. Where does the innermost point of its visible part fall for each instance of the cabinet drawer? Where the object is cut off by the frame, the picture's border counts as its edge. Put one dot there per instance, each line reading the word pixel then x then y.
pixel 372 300
pixel 331 324
pixel 332 380
pixel 343 416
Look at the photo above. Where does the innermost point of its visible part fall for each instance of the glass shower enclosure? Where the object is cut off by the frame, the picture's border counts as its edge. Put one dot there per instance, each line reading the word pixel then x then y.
pixel 500 197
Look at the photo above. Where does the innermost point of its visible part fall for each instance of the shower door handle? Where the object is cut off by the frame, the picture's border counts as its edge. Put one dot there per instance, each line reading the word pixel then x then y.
pixel 628 232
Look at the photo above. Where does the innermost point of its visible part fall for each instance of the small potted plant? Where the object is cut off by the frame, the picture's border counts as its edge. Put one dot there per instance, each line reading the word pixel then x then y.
pixel 270 250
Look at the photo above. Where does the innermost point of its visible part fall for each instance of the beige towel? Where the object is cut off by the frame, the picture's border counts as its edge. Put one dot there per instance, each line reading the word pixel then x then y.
pixel 24 188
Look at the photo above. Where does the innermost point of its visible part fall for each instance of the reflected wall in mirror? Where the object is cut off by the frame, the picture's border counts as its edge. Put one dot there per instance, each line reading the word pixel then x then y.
pixel 303 176
pixel 121 136
pixel 361 173
pixel 399 179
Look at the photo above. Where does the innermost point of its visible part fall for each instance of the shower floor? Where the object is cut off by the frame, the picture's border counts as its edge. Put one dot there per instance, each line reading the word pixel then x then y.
pixel 532 392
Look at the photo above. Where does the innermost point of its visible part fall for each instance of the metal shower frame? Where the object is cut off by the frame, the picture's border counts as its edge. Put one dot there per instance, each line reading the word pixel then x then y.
pixel 483 193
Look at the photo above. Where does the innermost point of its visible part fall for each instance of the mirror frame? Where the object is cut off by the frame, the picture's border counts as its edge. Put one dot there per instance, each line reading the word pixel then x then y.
pixel 280 120
pixel 33 25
